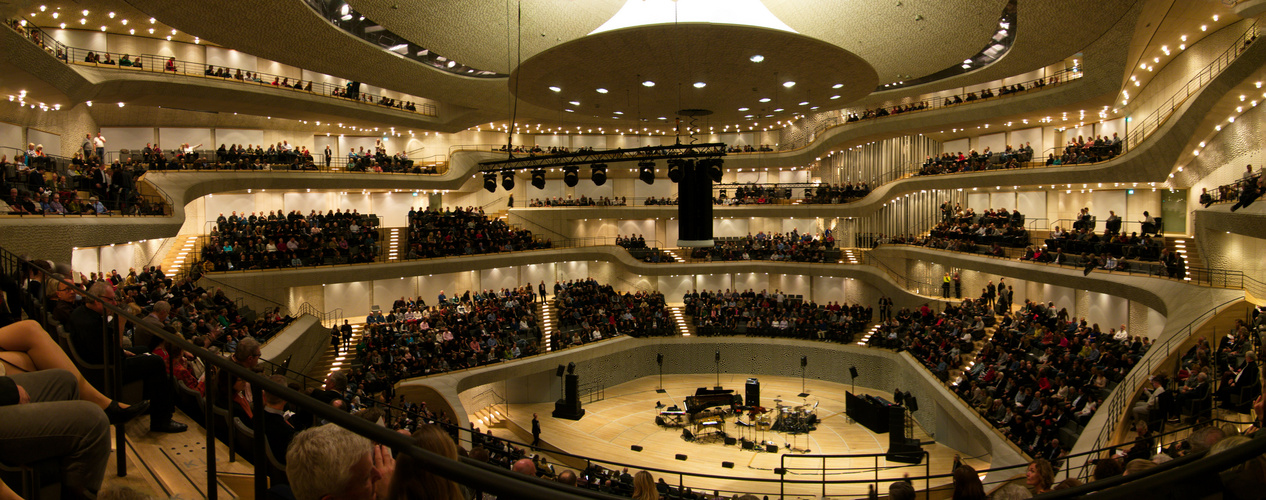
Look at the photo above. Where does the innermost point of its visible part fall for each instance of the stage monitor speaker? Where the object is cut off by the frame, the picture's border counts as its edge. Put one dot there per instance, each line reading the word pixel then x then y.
pixel 780 471
pixel 909 452
pixel 729 441
pixel 852 371
pixel 636 447
pixel 748 445
pixel 559 371
pixel 681 456
pixel 728 465
pixel 753 393
pixel 772 448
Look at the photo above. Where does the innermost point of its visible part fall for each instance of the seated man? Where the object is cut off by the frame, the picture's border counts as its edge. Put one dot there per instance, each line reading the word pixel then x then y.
pixel 86 325
pixel 44 418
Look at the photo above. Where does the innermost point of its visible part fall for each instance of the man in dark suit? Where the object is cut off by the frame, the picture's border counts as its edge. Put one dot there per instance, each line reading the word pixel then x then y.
pixel 536 430
pixel 86 324
pixel 542 290
pixel 276 426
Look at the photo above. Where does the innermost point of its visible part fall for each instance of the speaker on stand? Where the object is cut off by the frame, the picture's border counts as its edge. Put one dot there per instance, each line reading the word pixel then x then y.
pixel 659 359
pixel 804 362
pixel 753 393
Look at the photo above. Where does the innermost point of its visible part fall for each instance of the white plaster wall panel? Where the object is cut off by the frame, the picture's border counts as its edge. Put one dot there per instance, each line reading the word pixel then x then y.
pixel 636 227
pixel 132 138
pixel 1101 201
pixel 305 203
pixel 554 188
pixel 1155 324
pixel 116 258
pixel 662 188
pixel 392 209
pixel 803 226
pixel 1032 136
pixel 231 136
pixel 319 143
pixel 81 39
pixel 172 138
pixel 546 141
pixel 11 136
pixel 1232 251
pixel 722 228
pixel 1005 200
pixel 285 71
pixel 829 289
pixel 348 144
pixel 229 58
pixel 995 142
pixel 52 142
pixel 1023 78
pixel 312 76
pixel 1106 310
pixel 671 229
pixel 1109 127
pixel 1086 132
pixel 360 202
pixel 589 141
pixel 1176 72
pixel 1143 200
pixel 573 270
pixel 269 202
pixel 714 282
pixel 748 176
pixel 788 176
pixel 537 273
pixel 1033 205
pixel 430 286
pixel 314 295
pixel 135 46
pixel 673 287
pixel 587 188
pixel 353 298
pixel 1063 297
pixel 386 292
pixel 85 260
pixel 1082 298
pixel 498 278
pixel 955 146
pixel 793 284
pixel 751 281
pixel 977 201
pixel 1067 205
pixel 226 204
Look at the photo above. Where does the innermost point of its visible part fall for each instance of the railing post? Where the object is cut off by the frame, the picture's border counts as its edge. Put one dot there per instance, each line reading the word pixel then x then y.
pixel 209 419
pixel 262 464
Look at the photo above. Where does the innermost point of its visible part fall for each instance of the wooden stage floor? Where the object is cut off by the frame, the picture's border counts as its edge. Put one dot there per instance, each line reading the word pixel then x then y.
pixel 626 417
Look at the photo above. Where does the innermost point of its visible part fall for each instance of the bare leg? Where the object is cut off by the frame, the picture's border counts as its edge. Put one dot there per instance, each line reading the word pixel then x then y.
pixel 44 354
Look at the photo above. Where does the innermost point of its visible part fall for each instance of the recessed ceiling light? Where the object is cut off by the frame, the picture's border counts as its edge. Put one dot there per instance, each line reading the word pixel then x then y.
pixel 700 85
pixel 748 116
pixel 648 83
pixel 618 112
pixel 765 99
pixel 742 109
pixel 556 89
pixel 778 110
pixel 601 90
pixel 757 58
pixel 804 103
pixel 85 12
pixel 112 15
pixel 789 84
pixel 570 110
pixel 838 85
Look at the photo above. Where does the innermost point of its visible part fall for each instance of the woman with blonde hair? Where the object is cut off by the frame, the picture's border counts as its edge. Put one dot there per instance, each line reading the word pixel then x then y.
pixel 644 487
pixel 413 480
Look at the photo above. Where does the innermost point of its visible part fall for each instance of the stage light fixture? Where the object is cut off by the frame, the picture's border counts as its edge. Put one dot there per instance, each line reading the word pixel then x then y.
pixel 507 180
pixel 676 168
pixel 712 166
pixel 538 178
pixel 571 175
pixel 599 174
pixel 490 182
pixel 647 173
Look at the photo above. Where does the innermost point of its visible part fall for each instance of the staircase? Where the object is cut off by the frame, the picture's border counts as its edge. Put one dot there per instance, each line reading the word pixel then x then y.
pixel 548 315
pixel 851 256
pixel 335 359
pixel 393 244
pixel 184 252
pixel 489 416
pixel 1188 249
pixel 676 258
pixel 684 326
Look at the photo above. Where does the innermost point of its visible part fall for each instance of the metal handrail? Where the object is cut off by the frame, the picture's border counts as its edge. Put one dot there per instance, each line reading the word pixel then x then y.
pixel 166 65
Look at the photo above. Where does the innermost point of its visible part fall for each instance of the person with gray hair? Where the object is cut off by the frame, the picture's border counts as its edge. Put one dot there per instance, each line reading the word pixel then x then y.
pixel 901 490
pixel 146 341
pixel 332 463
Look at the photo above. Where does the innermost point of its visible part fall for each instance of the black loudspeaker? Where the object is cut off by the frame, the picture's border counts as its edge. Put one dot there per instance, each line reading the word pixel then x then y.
pixel 559 371
pixel 908 452
pixel 728 465
pixel 780 471
pixel 912 403
pixel 852 371
pixel 730 441
pixel 636 447
pixel 569 407
pixel 748 445
pixel 659 359
pixel 753 393
pixel 687 435
pixel 681 456
pixel 772 448
pixel 718 357
pixel 804 361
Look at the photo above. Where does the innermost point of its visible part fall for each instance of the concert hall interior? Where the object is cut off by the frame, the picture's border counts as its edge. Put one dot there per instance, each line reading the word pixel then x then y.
pixel 799 248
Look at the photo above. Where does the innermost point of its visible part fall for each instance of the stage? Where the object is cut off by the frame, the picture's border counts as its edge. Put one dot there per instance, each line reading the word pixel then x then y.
pixel 627 417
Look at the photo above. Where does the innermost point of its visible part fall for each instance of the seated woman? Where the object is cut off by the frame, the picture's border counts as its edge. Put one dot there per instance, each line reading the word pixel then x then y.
pixel 125 60
pixel 26 347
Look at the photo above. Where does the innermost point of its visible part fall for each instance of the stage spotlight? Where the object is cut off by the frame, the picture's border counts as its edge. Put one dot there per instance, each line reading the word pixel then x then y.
pixel 599 175
pixel 538 178
pixel 676 168
pixel 713 168
pixel 507 180
pixel 571 175
pixel 647 173
pixel 490 182
pixel 571 368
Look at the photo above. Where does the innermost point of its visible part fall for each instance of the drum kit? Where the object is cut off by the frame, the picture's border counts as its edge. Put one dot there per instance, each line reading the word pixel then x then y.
pixel 798 419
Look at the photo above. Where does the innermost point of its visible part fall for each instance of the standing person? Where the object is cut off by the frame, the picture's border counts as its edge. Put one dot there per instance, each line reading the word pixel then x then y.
pixel 991 292
pixel 87 146
pixel 328 154
pixel 945 286
pixel 347 334
pixel 958 286
pixel 510 203
pixel 542 290
pixel 536 430
pixel 99 143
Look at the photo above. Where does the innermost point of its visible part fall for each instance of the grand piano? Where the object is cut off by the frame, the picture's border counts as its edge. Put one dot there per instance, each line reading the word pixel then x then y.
pixel 705 398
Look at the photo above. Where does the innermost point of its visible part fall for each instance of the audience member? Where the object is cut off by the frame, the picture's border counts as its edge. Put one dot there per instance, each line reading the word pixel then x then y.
pixel 332 463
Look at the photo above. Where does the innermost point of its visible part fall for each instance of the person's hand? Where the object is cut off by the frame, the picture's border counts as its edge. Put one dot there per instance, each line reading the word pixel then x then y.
pixel 385 466
pixel 128 353
pixel 23 397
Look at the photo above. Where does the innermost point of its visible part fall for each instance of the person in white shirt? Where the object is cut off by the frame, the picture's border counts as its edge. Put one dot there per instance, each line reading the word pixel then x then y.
pixel 1121 334
pixel 99 143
